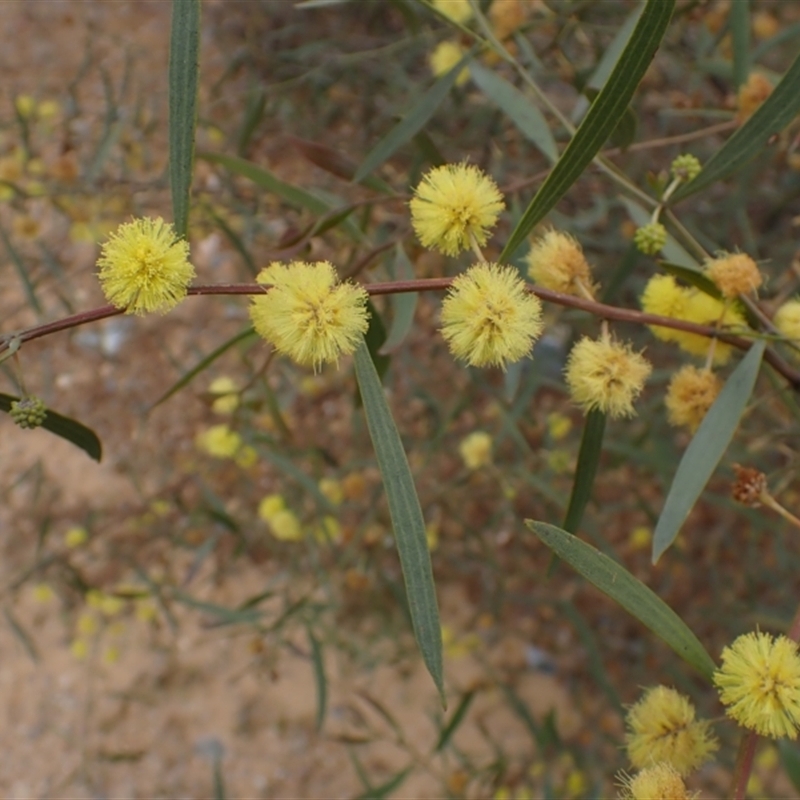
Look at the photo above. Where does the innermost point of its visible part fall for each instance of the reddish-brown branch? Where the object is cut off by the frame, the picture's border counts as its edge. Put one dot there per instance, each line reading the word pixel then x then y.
pixel 436 284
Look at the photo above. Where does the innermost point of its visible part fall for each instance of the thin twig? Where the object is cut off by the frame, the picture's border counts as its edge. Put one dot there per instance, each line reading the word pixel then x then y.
pixel 427 285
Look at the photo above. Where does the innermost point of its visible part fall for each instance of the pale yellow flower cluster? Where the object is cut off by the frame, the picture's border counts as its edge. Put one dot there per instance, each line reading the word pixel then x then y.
pixel 663 296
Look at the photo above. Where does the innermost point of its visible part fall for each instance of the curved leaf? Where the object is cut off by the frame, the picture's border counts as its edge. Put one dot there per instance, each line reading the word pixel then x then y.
pixel 518 108
pixel 602 118
pixel 404 304
pixel 637 599
pixel 411 123
pixel 706 449
pixel 586 469
pixel 774 114
pixel 203 364
pixel 65 427
pixel 184 48
pixel 406 514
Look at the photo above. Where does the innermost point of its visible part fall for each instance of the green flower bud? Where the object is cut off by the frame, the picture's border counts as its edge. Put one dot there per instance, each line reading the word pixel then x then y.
pixel 685 167
pixel 29 412
pixel 650 238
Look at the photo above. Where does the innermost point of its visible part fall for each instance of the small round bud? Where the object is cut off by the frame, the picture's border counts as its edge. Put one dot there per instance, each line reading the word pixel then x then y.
pixel 685 167
pixel 29 412
pixel 650 238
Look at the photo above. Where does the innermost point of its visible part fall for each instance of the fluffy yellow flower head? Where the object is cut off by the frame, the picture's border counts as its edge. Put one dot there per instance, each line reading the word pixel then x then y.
pixel 144 267
pixel 219 441
pixel 787 320
pixel 285 526
pixel 556 261
pixel 751 95
pixel 488 316
pixel 307 315
pixel 759 683
pixel 691 393
pixel 605 375
pixel 445 57
pixel 452 205
pixel 456 10
pixel 659 782
pixel 662 728
pixel 734 274
pixel 663 296
pixel 706 310
pixel 507 16
pixel 476 450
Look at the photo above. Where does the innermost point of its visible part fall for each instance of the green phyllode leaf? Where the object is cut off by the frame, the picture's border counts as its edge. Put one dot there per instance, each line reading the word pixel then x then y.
pixel 411 123
pixel 69 429
pixel 184 49
pixel 518 108
pixel 586 469
pixel 406 514
pixel 601 120
pixel 774 114
pixel 706 449
pixel 637 599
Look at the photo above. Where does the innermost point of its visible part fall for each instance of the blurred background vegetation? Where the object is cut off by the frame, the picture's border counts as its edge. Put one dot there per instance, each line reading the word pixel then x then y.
pixel 217 608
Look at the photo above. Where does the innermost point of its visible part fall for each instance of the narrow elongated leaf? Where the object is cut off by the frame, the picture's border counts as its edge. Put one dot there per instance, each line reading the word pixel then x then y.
pixel 455 720
pixel 606 62
pixel 293 195
pixel 412 122
pixel 69 429
pixel 790 757
pixel 184 49
pixel 637 599
pixel 404 304
pixel 22 271
pixel 406 514
pixel 772 116
pixel 203 365
pixel 518 108
pixel 586 469
pixel 320 680
pixel 706 449
pixel 739 20
pixel 385 789
pixel 600 121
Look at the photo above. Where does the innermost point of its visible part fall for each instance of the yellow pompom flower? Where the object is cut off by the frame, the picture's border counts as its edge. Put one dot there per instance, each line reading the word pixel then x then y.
pixel 489 317
pixel 307 315
pixel 787 320
pixel 476 450
pixel 706 310
pixel 662 728
pixel 556 261
pixel 219 441
pixel 606 376
pixel 445 57
pixel 285 526
pixel 759 683
pixel 691 393
pixel 659 782
pixel 663 296
pixel 734 274
pixel 270 506
pixel 76 536
pixel 456 10
pixel 454 204
pixel 144 267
